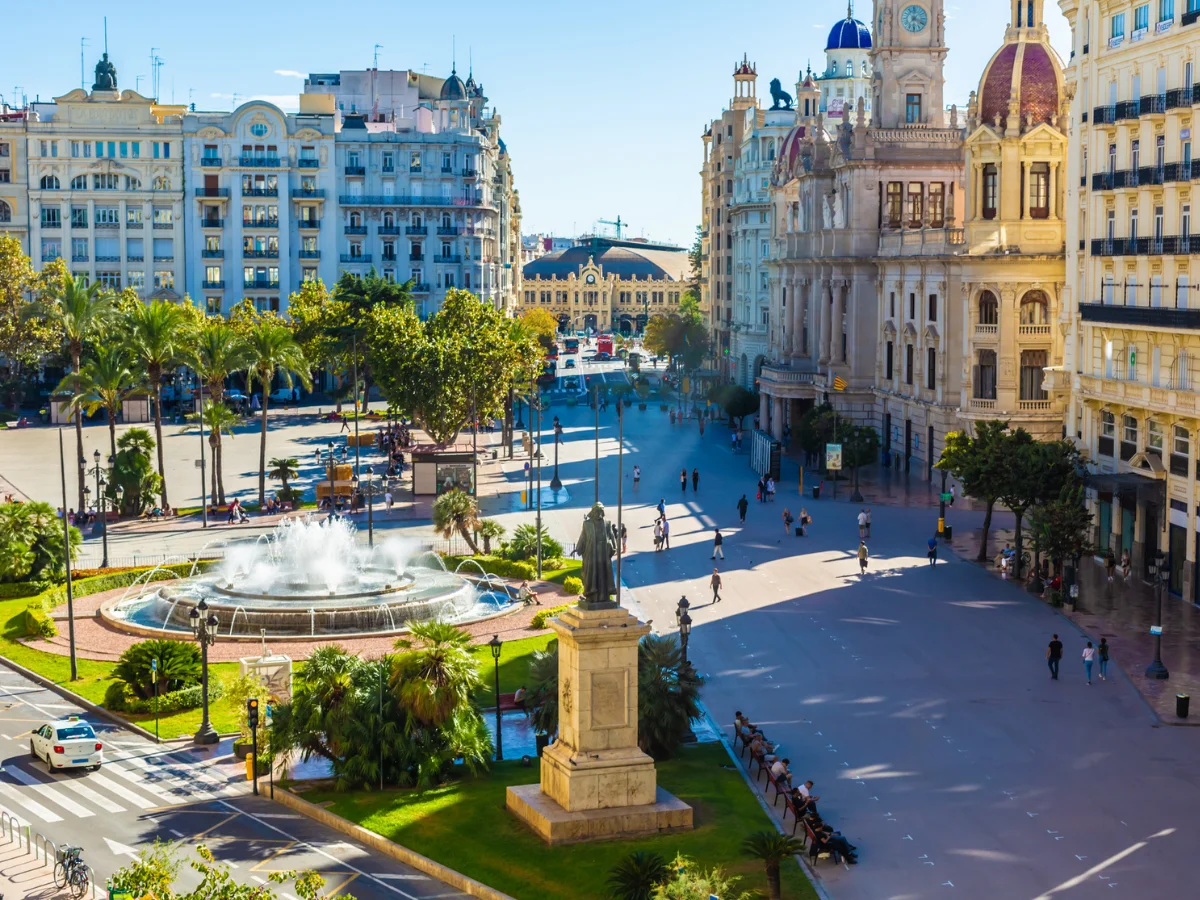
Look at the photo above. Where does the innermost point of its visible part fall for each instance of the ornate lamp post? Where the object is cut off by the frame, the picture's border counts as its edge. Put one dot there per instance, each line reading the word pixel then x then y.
pixel 370 471
pixel 495 643
pixel 98 473
pixel 556 482
pixel 204 629
pixel 681 609
pixel 1156 669
pixel 685 630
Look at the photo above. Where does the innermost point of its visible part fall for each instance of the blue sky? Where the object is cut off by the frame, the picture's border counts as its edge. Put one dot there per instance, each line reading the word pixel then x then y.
pixel 602 104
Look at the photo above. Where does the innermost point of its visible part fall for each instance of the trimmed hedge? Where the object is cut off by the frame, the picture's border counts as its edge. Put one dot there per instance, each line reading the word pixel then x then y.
pixel 541 617
pixel 118 699
pixel 100 583
pixel 495 565
pixel 15 590
pixel 572 585
pixel 38 622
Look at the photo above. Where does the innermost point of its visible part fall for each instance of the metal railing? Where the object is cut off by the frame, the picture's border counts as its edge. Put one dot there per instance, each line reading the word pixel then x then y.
pixel 302 194
pixel 40 847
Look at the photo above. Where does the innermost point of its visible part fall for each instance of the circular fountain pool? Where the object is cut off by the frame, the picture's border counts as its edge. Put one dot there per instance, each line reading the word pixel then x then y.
pixel 312 579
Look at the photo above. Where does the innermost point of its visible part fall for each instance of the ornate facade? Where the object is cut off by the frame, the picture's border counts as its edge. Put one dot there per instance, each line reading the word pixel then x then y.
pixel 14 170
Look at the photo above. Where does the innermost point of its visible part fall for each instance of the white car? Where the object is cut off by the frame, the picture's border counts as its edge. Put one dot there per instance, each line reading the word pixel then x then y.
pixel 283 395
pixel 67 744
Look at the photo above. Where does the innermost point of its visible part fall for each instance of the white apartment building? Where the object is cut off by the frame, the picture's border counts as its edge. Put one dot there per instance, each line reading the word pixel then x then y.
pixel 14 189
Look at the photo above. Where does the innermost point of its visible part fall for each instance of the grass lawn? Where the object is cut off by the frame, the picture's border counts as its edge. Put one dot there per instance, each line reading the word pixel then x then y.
pixel 514 665
pixel 465 826
pixel 573 567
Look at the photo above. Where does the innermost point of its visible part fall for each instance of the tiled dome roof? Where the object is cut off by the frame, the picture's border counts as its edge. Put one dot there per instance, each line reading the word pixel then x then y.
pixel 849 34
pixel 453 88
pixel 1029 68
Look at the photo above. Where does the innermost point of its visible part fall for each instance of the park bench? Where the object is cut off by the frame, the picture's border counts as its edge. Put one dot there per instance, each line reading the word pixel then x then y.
pixel 814 851
pixel 789 806
pixel 508 703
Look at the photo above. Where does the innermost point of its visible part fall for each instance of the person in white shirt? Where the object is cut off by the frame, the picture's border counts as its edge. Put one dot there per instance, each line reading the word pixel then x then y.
pixel 779 770
pixel 637 476
pixel 806 792
pixel 1089 657
pixel 387 499
pixel 862 524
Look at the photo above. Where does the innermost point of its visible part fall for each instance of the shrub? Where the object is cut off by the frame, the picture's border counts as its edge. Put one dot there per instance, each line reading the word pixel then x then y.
pixel 190 697
pixel 178 667
pixel 554 564
pixel 524 543
pixel 31 542
pixel 542 616
pixel 122 578
pixel 116 696
pixel 495 565
pixel 38 622
pixel 242 689
pixel 572 585
pixel 18 589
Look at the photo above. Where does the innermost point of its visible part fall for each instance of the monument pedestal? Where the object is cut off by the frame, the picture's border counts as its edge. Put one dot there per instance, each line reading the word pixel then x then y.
pixel 595 781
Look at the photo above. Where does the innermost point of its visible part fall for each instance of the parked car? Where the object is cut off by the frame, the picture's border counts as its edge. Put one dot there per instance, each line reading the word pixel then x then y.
pixel 285 394
pixel 570 363
pixel 602 357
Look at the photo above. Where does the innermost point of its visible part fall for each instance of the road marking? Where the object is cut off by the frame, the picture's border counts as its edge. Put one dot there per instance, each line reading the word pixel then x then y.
pixel 99 799
pixel 178 834
pixel 118 849
pixel 48 792
pixel 121 791
pixel 30 804
pixel 278 816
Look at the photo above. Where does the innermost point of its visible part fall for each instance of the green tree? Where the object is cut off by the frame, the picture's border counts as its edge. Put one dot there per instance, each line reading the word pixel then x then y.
pixel 218 351
pixel 543 680
pixel 272 351
pixel 31 542
pixel 690 882
pixel 158 338
pixel 24 339
pixel 737 401
pixel 457 511
pixel 980 466
pixel 489 530
pixel 525 540
pixel 772 848
pixel 1036 472
pixel 542 324
pixel 283 470
pixel 104 382
pixel 134 472
pixel 178 666
pixel 79 313
pixel 637 875
pixel 860 447
pixel 668 695
pixel 1062 527
pixel 696 263
pixel 219 422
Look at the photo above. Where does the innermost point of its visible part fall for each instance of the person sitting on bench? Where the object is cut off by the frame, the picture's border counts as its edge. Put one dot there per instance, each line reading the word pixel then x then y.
pixel 760 745
pixel 838 846
pixel 806 792
pixel 528 595
pixel 519 698
pixel 780 772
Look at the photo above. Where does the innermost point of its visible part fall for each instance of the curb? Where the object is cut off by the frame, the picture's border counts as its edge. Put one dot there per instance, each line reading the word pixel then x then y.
pixel 813 878
pixel 388 848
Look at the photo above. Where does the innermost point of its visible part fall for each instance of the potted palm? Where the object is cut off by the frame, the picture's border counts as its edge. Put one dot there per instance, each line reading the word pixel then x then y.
pixel 643 391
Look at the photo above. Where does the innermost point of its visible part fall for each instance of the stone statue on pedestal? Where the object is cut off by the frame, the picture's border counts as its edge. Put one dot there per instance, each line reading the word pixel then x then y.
pixel 597 545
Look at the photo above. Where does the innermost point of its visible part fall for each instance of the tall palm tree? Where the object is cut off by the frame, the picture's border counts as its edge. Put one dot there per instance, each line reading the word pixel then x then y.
pixel 80 311
pixel 456 510
pixel 284 469
pixel 158 338
pixel 272 351
pixel 219 419
pixel 218 352
pixel 103 382
pixel 436 674
pixel 772 848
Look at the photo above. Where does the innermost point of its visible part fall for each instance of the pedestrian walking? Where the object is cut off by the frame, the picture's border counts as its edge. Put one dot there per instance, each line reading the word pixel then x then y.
pixel 1054 655
pixel 951 495
pixel 716 586
pixel 666 532
pixel 805 521
pixel 624 538
pixel 862 558
pixel 862 524
pixel 717 542
pixel 387 501
pixel 868 523
pixel 1103 654
pixel 787 520
pixel 662 507
pixel 345 424
pixel 658 535
pixel 1110 563
pixel 637 476
pixel 733 440
pixel 695 480
pixel 742 505
pixel 770 488
pixel 932 551
pixel 701 426
pixel 1125 566
pixel 1089 656
pixel 683 480
pixel 762 490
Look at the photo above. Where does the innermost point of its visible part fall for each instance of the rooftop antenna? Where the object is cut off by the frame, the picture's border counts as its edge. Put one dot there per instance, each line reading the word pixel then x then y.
pixel 378 47
pixel 153 72
pixel 137 83
pixel 453 53
pixel 82 80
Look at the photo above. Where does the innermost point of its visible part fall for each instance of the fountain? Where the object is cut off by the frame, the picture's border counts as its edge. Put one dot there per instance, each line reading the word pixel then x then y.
pixel 275 586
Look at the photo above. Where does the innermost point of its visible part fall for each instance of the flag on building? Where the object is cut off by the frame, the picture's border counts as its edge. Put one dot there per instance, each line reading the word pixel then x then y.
pixel 839 383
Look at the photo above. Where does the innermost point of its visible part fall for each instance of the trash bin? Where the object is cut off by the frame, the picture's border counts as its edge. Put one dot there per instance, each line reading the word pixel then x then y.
pixel 541 741
pixel 816 492
pixel 947 533
pixel 1181 705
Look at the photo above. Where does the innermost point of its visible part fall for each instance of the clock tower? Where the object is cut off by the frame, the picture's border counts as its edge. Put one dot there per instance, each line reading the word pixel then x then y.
pixel 907 60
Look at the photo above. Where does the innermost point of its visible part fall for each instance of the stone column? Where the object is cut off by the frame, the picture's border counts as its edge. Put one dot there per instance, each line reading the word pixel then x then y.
pixel 801 313
pixel 763 399
pixel 824 313
pixel 777 418
pixel 1025 184
pixel 1053 195
pixel 839 314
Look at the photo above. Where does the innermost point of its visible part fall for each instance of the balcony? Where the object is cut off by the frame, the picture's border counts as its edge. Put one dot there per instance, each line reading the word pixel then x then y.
pixel 1180 171
pixel 922 242
pixel 389 257
pixel 416 229
pixel 260 192
pixel 213 285
pixel 212 192
pixel 212 254
pixel 1151 175
pixel 388 170
pixel 1190 17
pixel 260 223
pixel 1151 317
pixel 982 403
pixel 411 200
pixel 448 258
pixel 310 254
pixel 450 231
pixel 1128 109
pixel 249 253
pixel 415 170
pixel 469 173
pixel 308 224
pixel 417 258
pixel 420 287
pixel 269 284
pixel 1033 331
pixel 1034 405
pixel 355 229
pixel 1104 181
pixel 132 258
pixel 392 230
pixel 780 375
pixel 263 162
pixel 1152 105
pixel 1104 115
pixel 105 225
pixel 351 258
pixel 212 223
pixel 209 162
pixel 129 225
pixel 359 171
pixel 157 259
pixel 83 258
pixel 117 259
pixel 305 163
pixel 986 331
pixel 447 170
pixel 308 194
pixel 1180 98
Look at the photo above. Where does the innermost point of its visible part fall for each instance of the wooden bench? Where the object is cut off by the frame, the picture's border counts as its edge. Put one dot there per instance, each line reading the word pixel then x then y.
pixel 814 853
pixel 508 703
pixel 789 805
pixel 111 515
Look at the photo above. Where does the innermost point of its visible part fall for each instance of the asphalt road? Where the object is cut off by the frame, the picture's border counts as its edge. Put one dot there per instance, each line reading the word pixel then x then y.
pixel 146 792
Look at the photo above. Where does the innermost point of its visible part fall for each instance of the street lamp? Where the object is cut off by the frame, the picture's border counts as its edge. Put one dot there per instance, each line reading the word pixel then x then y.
pixel 556 482
pixel 370 494
pixel 495 643
pixel 681 609
pixel 685 630
pixel 1156 669
pixel 98 473
pixel 329 461
pixel 204 629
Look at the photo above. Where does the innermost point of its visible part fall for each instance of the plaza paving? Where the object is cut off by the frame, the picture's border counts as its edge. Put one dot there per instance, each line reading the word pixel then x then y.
pixel 918 700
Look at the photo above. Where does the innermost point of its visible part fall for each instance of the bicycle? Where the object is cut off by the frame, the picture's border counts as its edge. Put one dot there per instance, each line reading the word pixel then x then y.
pixel 71 871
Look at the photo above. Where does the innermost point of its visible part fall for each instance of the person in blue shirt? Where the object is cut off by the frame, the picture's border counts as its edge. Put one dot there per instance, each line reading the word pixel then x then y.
pixel 932 544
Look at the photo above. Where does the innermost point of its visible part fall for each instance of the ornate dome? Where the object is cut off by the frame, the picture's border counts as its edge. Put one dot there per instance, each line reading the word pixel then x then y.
pixel 849 34
pixel 453 88
pixel 1031 70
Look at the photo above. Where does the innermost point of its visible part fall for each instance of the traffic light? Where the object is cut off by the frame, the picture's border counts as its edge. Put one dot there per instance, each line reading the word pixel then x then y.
pixel 252 713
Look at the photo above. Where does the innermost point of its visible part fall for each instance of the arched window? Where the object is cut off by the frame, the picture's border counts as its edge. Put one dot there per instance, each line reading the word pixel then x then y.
pixel 162 183
pixel 989 309
pixel 416 220
pixel 49 182
pixel 445 220
pixel 5 212
pixel 991 185
pixel 132 183
pixel 849 68
pixel 864 68
pixel 389 220
pixel 1034 308
pixel 833 69
pixel 79 183
pixel 984 380
pixel 1181 371
pixel 1033 365
pixel 356 219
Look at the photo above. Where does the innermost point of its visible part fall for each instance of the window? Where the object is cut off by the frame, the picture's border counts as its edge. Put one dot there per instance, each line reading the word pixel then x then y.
pixel 1133 224
pixel 1033 372
pixel 1117 28
pixel 933 307
pixel 109 280
pixel 912 109
pixel 132 184
pixel 1110 230
pixel 937 204
pixel 49 183
pixel 895 203
pixel 908 364
pixel 989 309
pixel 892 304
pixel 991 183
pixel 164 280
pixel 135 249
pixel 931 368
pixel 162 183
pixel 1141 18
pixel 912 306
pixel 1135 153
pixel 133 216
pixel 210 152
pixel 50 148
pixel 985 375
pixel 108 215
pixel 51 217
pixel 1185 220
pixel 162 150
pixel 389 161
pixel 79 217
pixel 5 212
pixel 81 149
pixel 1160 148
pixel 916 203
pixel 106 181
pixel 79 183
pixel 888 362
pixel 1154 436
pixel 79 249
pixel 1180 451
pixel 1039 190
pixel 1129 437
pixel 1034 307
pixel 163 215
pixel 51 249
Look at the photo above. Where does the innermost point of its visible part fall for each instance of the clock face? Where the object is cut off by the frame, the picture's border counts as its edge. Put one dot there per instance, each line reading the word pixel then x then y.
pixel 914 19
pixel 591 279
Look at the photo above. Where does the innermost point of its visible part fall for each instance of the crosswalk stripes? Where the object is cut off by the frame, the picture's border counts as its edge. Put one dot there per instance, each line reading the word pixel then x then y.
pixel 35 808
pixel 98 799
pixel 49 793
pixel 115 787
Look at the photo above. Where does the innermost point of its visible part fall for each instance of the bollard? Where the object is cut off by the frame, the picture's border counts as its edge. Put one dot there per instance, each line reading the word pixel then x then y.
pixel 1182 702
pixel 249 766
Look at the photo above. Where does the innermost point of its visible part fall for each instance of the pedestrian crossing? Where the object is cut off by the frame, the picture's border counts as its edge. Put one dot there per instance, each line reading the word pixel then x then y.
pixel 128 780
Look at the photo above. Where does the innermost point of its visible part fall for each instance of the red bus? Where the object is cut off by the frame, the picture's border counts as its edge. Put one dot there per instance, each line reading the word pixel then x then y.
pixel 549 372
pixel 571 345
pixel 604 344
pixel 552 353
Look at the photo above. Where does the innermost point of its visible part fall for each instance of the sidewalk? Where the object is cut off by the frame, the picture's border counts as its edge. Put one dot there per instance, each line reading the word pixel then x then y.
pixel 22 877
pixel 1122 612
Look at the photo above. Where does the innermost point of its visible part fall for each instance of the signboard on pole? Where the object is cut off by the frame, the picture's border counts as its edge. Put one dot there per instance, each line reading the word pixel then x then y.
pixel 833 456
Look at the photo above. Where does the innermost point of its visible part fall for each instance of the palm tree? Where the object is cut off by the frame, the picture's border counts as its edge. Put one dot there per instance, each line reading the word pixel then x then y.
pixel 219 351
pixel 772 848
pixel 80 311
pixel 156 332
pixel 490 530
pixel 283 470
pixel 436 673
pixel 637 875
pixel 668 695
pixel 456 510
pixel 103 382
pixel 219 419
pixel 271 351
